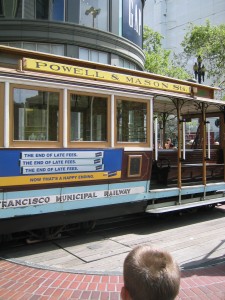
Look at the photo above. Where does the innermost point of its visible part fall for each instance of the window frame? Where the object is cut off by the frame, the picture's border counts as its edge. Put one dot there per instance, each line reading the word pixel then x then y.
pixel 86 144
pixel 2 105
pixel 129 169
pixel 32 143
pixel 133 144
pixel 217 115
pixel 90 53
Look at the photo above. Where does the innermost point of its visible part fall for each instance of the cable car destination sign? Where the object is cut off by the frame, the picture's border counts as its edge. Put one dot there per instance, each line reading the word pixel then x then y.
pixel 88 73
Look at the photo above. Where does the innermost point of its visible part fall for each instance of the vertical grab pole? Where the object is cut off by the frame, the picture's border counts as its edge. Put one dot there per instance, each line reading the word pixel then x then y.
pixel 156 138
pixel 203 145
pixel 91 120
pixel 184 134
pixel 208 131
pixel 6 115
pixel 65 117
pixel 179 177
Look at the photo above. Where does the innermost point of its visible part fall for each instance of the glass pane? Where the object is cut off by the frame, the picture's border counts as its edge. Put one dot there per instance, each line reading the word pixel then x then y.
pixel 1 9
pixel 94 56
pixel 35 115
pixel 126 64
pixel 83 53
pixel 42 9
pixel 131 121
pixel 56 10
pixel 169 126
pixel 88 118
pixel 57 49
pixel 43 48
pixel 192 133
pixel 94 13
pixel 29 9
pixel 121 62
pixel 29 46
pixel 213 130
pixel 18 12
pixel 73 9
pixel 103 58
pixel 132 66
pixel 11 9
pixel 15 44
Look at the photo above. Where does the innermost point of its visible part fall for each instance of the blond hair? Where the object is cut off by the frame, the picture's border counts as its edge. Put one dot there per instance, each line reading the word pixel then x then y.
pixel 151 274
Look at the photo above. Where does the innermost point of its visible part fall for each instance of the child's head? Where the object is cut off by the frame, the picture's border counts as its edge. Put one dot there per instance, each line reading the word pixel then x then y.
pixel 150 274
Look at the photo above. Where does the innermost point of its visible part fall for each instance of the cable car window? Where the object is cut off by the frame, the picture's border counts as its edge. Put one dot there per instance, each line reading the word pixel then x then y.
pixel 131 121
pixel 1 113
pixel 193 137
pixel 88 118
pixel 213 131
pixel 36 115
pixel 134 165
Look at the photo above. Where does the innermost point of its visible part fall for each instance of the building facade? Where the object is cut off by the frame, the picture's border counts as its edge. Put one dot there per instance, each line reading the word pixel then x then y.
pixel 172 17
pixel 104 31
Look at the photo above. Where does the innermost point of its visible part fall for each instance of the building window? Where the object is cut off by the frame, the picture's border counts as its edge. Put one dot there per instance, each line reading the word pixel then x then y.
pixel 126 64
pixel 13 44
pixel 1 9
pixel 73 11
pixel 42 9
pixel 45 48
pixel 50 10
pixel 57 49
pixel 11 9
pixel 2 99
pixel 131 121
pixel 36 115
pixel 29 46
pixel 94 13
pixel 41 47
pixel 88 115
pixel 84 53
pixel 93 55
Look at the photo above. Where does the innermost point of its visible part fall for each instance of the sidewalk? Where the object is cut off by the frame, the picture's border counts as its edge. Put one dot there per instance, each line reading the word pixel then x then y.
pixel 26 283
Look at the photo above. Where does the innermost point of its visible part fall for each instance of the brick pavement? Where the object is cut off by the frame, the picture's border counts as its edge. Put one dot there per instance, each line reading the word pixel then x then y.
pixel 18 282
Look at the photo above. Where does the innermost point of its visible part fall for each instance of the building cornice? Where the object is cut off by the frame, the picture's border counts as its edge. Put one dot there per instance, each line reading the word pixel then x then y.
pixel 72 34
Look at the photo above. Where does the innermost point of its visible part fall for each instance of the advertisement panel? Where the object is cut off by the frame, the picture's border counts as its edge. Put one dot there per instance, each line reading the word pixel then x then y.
pixel 27 167
pixel 132 21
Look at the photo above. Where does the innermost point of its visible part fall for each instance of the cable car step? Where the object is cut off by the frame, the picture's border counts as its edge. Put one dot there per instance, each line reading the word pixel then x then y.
pixel 159 210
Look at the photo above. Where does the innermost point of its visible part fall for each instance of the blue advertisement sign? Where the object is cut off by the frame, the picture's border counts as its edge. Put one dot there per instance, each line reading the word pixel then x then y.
pixel 133 21
pixel 28 166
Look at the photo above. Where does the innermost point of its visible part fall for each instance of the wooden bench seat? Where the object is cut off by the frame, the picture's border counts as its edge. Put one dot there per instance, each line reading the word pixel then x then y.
pixel 166 168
